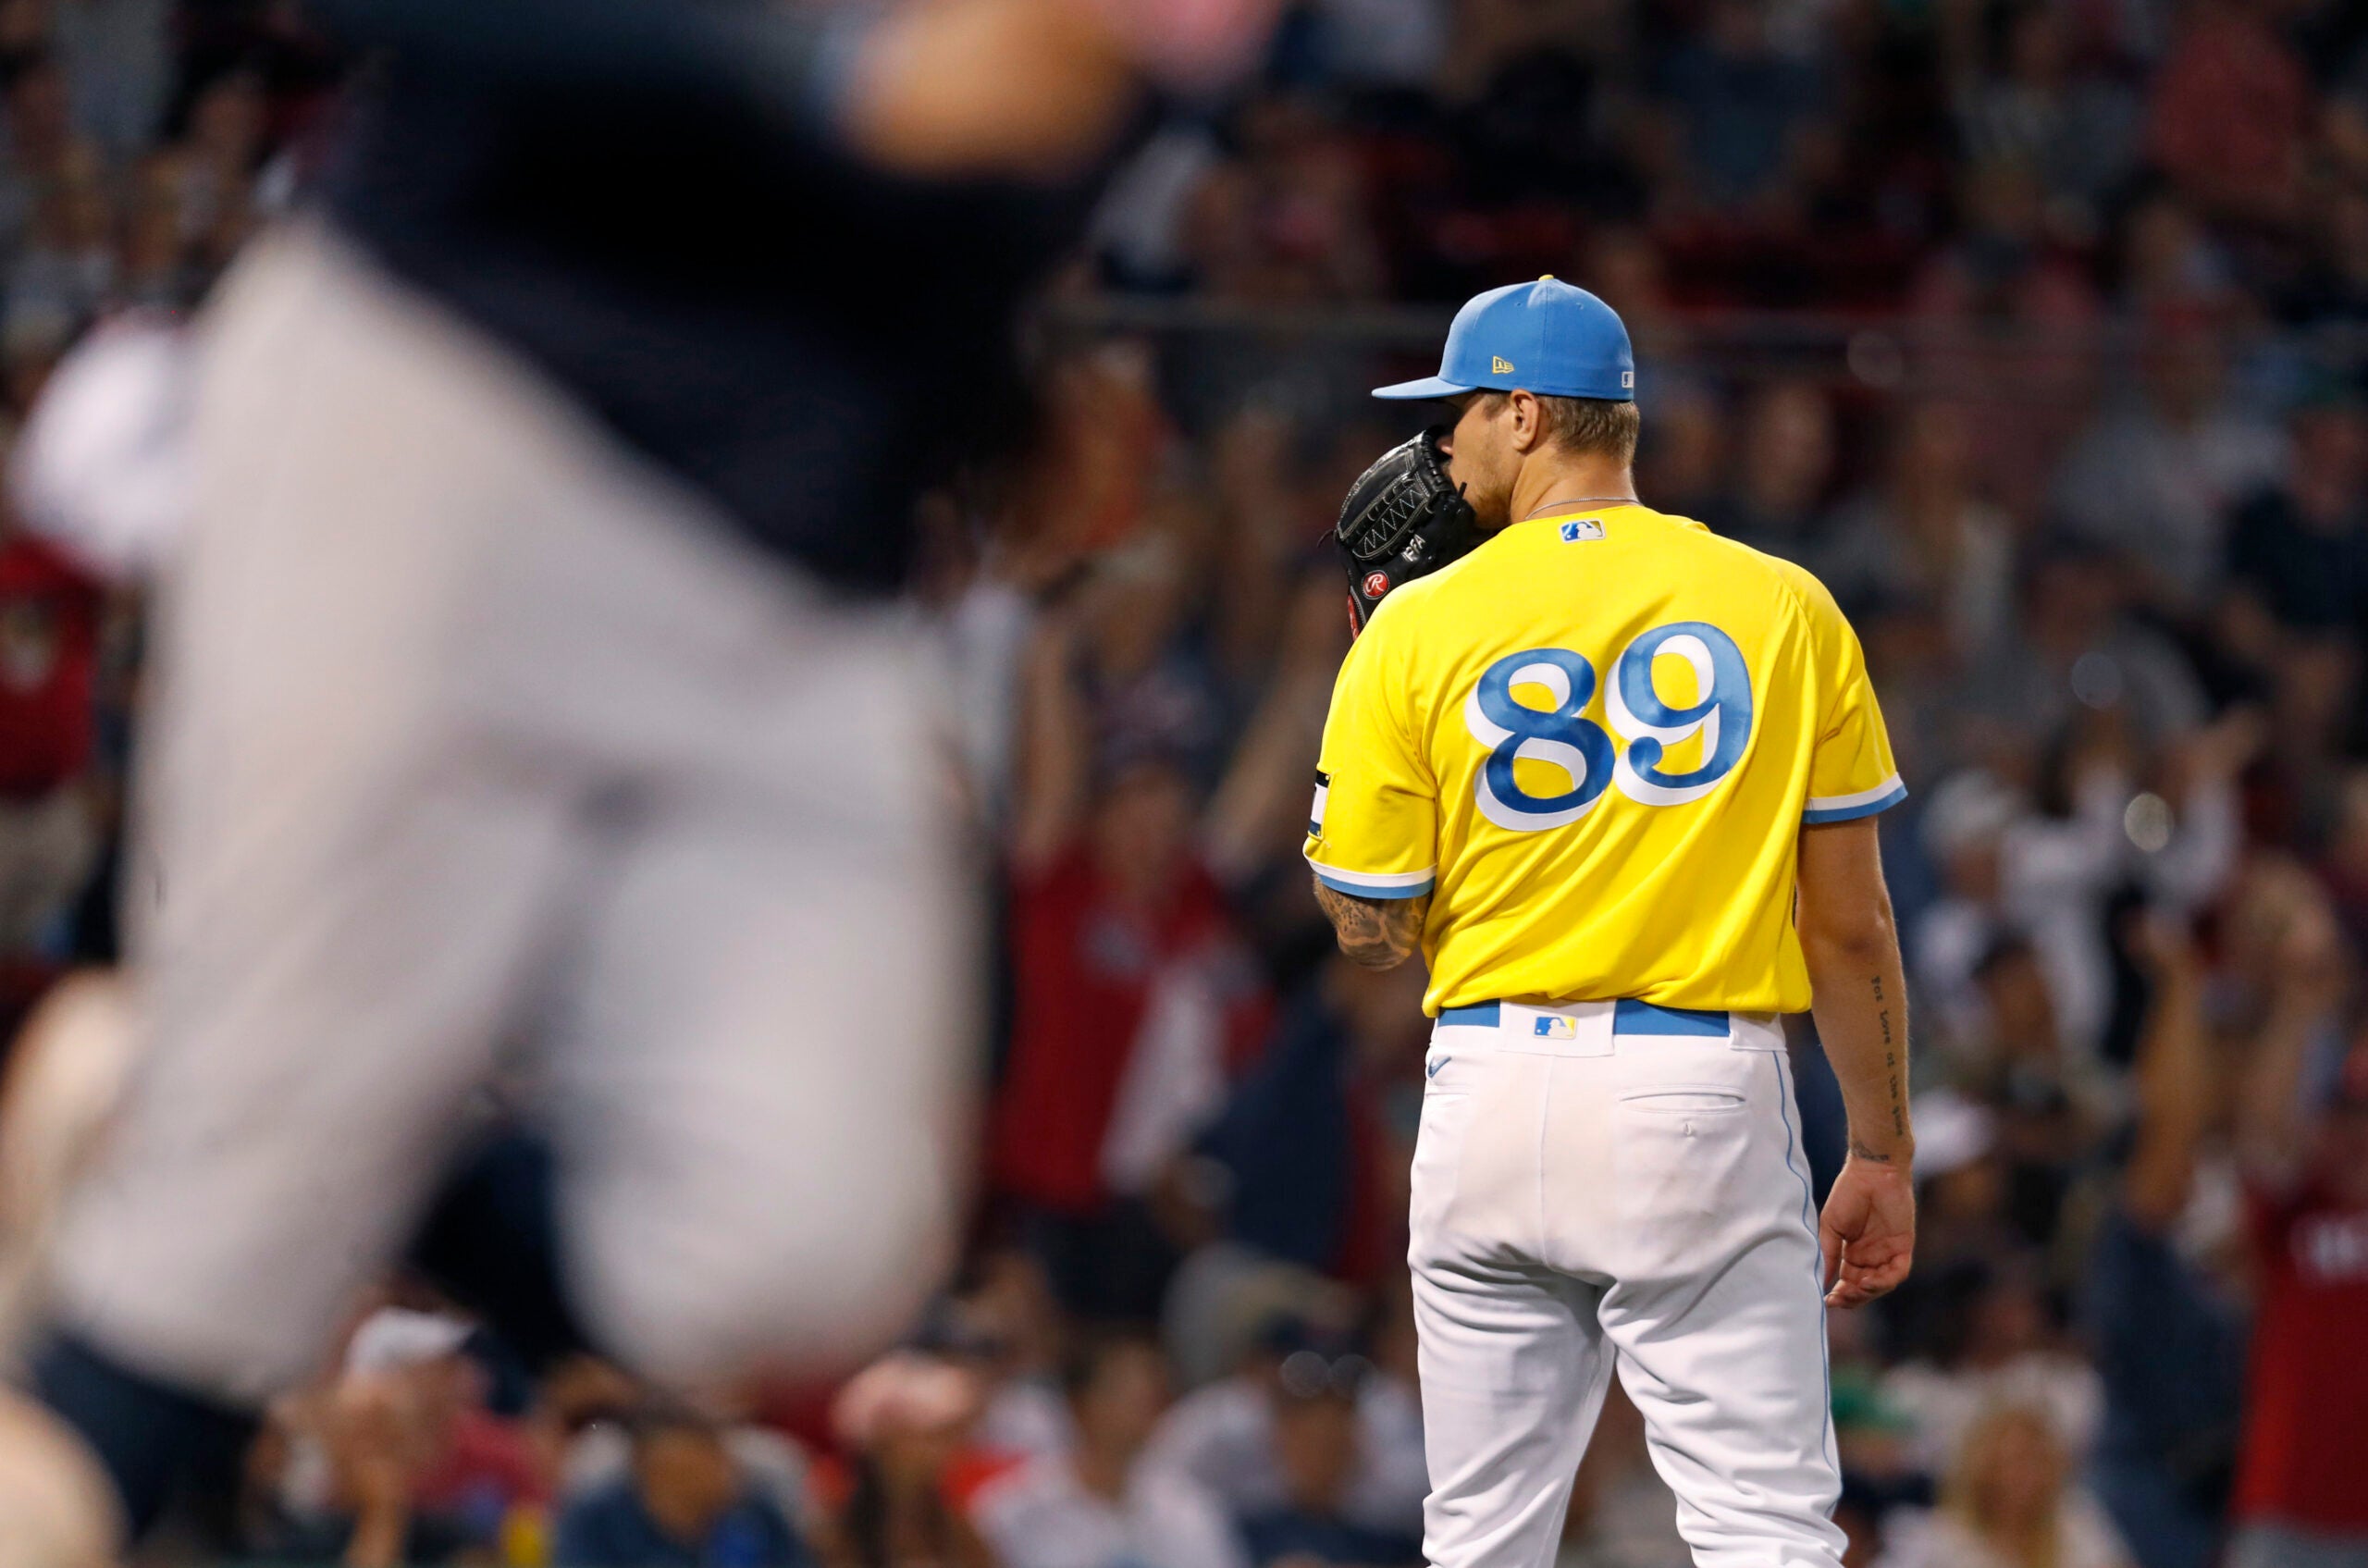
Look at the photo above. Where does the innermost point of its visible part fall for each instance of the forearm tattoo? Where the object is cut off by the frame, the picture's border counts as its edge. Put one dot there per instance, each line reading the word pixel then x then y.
pixel 1376 932
pixel 1894 1081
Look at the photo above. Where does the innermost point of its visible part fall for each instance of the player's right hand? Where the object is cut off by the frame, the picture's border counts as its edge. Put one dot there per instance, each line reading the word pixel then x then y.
pixel 1867 1230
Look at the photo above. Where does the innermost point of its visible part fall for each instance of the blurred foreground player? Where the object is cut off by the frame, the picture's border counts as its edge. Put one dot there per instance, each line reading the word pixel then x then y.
pixel 1617 778
pixel 531 669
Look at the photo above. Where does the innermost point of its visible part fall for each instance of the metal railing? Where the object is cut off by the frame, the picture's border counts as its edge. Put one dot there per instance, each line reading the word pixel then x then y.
pixel 1880 354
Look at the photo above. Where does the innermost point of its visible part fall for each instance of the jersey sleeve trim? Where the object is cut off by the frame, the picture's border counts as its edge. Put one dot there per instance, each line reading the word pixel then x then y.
pixel 1865 803
pixel 1374 884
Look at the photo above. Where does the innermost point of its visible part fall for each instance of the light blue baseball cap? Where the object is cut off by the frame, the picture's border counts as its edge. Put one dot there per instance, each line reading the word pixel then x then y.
pixel 1545 337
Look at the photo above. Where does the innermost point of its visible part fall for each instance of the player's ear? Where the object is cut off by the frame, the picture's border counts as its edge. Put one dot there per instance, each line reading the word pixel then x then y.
pixel 1528 430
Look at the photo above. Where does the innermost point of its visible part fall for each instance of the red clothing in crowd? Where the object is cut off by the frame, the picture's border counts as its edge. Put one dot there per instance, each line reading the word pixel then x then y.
pixel 488 1467
pixel 2232 108
pixel 2306 1409
pixel 49 639
pixel 1085 969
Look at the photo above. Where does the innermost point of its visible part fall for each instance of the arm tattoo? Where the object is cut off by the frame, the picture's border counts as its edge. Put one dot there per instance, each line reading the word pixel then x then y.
pixel 1377 933
pixel 1896 1080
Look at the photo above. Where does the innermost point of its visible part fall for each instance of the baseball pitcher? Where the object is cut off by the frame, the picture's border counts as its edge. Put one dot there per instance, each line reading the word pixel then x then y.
pixel 1616 777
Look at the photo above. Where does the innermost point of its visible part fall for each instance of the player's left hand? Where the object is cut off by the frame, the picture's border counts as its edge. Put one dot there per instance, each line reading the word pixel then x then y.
pixel 1867 1231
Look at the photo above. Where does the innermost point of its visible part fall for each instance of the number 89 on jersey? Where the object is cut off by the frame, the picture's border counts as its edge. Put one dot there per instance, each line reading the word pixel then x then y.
pixel 1648 728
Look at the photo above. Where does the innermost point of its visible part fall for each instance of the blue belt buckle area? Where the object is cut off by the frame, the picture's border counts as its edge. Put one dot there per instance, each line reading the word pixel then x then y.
pixel 1627 1018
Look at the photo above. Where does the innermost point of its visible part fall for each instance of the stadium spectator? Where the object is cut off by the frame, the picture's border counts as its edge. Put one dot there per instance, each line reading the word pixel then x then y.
pixel 1965 832
pixel 2082 671
pixel 2048 1110
pixel 1926 532
pixel 1308 1164
pixel 2303 1141
pixel 590 1408
pixel 1785 463
pixel 1681 464
pixel 68 269
pixel 2008 1503
pixel 2152 479
pixel 154 270
pixel 1009 1328
pixel 684 1504
pixel 1879 1465
pixel 2174 269
pixel 2166 1323
pixel 1993 1342
pixel 2044 107
pixel 2298 551
pixel 1740 104
pixel 214 165
pixel 1962 1193
pixel 2334 285
pixel 400 1461
pixel 2047 878
pixel 1318 1433
pixel 2231 111
pixel 42 145
pixel 1624 267
pixel 904 1424
pixel 1133 1001
pixel 1100 1506
pixel 1914 671
pixel 2007 264
pixel 1225 1435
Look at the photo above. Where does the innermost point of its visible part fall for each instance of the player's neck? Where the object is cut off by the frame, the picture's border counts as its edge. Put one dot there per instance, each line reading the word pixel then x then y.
pixel 1549 480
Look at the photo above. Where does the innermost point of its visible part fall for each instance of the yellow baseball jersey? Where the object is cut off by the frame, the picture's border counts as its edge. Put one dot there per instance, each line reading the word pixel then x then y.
pixel 1594 741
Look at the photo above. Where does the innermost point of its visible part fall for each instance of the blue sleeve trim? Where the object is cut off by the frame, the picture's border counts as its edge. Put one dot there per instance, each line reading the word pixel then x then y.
pixel 1883 802
pixel 1360 889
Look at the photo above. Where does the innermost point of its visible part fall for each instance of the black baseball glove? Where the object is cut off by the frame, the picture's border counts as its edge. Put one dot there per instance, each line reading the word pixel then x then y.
pixel 1402 519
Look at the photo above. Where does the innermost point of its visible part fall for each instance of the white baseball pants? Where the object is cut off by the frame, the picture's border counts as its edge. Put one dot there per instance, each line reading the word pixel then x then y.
pixel 476 729
pixel 1586 1197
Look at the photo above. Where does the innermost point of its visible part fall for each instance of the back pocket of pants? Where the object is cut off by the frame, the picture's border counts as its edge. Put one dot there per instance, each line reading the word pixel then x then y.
pixel 1683 1161
pixel 1683 1099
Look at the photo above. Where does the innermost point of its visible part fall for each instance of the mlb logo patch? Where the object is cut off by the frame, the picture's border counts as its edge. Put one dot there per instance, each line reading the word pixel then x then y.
pixel 1579 528
pixel 1555 1027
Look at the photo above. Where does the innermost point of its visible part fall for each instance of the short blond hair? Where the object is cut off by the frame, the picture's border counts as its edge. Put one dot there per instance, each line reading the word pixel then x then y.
pixel 1590 426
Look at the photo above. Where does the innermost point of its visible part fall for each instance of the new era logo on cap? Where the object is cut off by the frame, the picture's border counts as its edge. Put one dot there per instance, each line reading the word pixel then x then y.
pixel 1499 365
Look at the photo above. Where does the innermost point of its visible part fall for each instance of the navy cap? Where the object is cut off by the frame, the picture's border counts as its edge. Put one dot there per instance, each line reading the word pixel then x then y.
pixel 1545 337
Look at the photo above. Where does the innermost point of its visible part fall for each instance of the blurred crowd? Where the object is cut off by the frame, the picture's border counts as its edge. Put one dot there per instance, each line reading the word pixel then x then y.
pixel 2031 327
